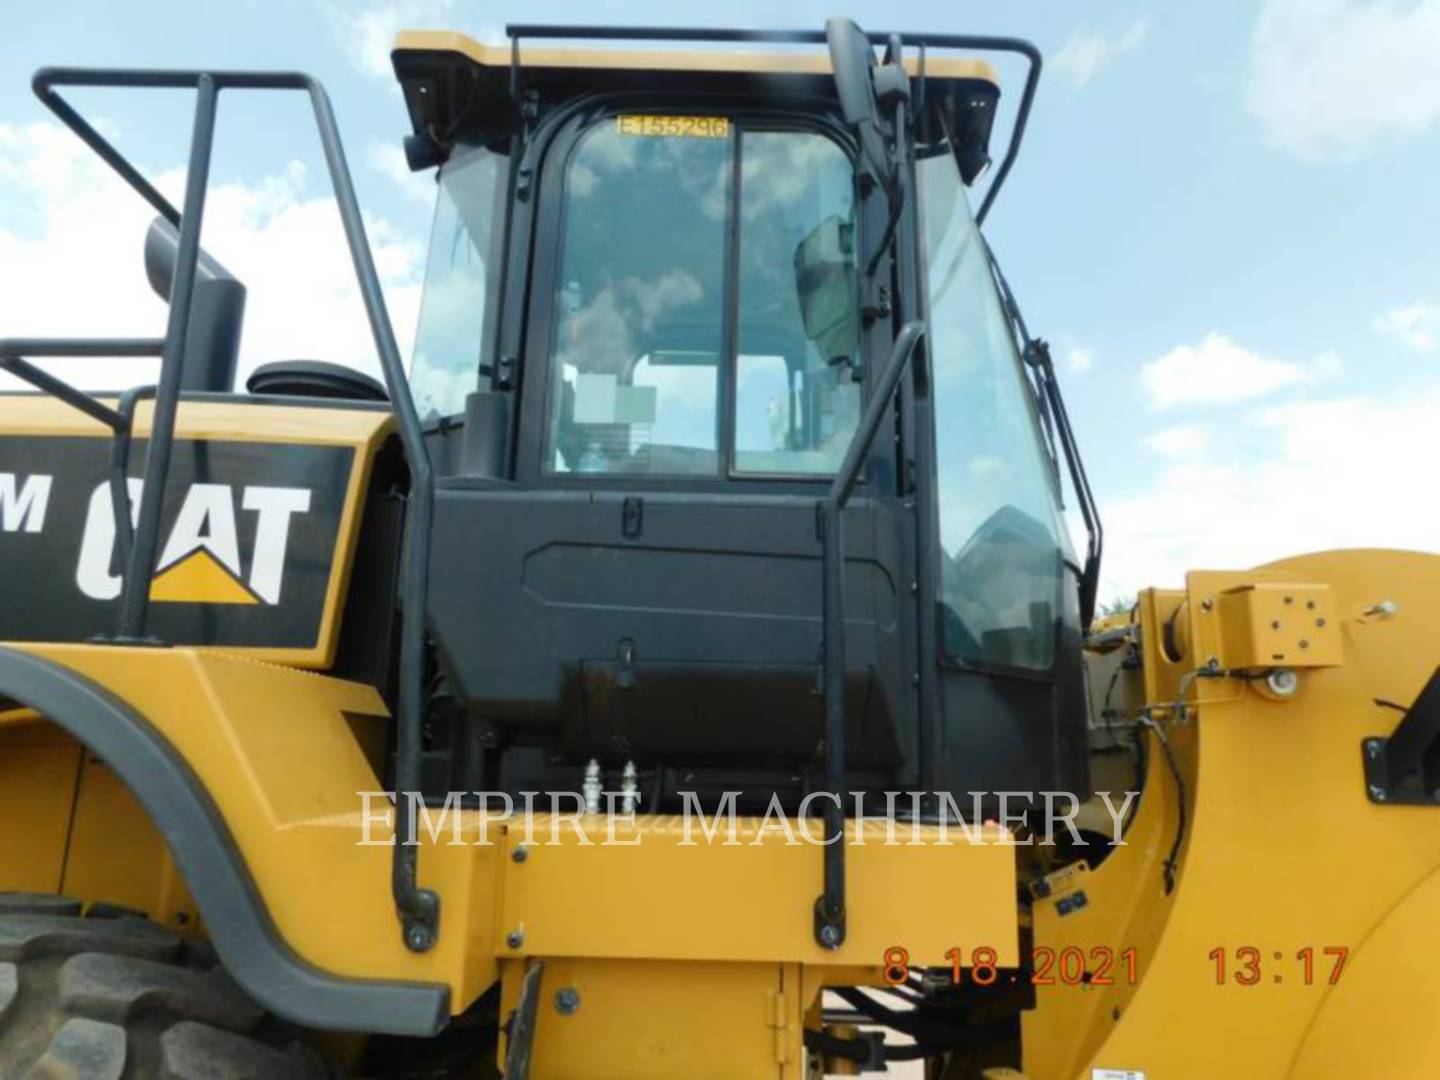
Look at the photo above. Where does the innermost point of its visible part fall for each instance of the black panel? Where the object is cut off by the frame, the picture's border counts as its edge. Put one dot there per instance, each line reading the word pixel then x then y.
pixel 692 636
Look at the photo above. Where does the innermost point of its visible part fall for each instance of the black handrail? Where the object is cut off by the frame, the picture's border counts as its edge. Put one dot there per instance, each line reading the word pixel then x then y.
pixel 419 909
pixel 830 905
pixel 978 42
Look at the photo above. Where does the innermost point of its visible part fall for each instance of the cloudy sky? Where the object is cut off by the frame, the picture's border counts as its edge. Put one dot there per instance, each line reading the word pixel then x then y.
pixel 1226 219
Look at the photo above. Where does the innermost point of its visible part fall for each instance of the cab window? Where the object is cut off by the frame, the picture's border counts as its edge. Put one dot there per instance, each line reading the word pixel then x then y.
pixel 703 266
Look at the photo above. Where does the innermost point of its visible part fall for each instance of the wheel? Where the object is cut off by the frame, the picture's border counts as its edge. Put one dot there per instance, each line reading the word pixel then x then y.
pixel 118 997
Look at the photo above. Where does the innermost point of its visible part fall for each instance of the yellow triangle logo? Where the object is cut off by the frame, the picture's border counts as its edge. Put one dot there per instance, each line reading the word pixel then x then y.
pixel 199 578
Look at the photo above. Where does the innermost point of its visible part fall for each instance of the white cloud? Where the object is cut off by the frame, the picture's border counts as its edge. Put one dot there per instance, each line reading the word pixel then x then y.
pixel 367 31
pixel 1334 78
pixel 1086 53
pixel 1316 475
pixel 1079 359
pixel 1219 372
pixel 1417 325
pixel 71 237
pixel 1186 440
pixel 388 159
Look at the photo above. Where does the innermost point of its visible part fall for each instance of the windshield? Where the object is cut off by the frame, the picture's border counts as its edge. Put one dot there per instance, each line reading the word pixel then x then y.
pixel 457 310
pixel 705 269
pixel 1000 530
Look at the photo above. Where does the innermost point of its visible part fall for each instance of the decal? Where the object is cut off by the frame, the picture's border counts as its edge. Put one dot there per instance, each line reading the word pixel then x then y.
pixel 248 535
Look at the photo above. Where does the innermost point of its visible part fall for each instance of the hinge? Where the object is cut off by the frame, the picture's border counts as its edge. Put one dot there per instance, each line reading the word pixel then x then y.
pixel 778 1020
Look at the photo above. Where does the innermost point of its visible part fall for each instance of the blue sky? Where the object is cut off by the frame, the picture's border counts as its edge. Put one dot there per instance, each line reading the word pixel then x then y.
pixel 1226 220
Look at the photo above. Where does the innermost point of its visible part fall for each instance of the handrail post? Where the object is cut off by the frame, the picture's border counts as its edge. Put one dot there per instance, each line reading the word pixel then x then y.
pixel 135 595
pixel 830 904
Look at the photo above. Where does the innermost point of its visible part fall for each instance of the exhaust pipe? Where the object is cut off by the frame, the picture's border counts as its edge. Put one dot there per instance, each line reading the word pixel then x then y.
pixel 217 312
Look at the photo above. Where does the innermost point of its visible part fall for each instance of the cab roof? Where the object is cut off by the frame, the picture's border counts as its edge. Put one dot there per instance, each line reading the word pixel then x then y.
pixel 457 87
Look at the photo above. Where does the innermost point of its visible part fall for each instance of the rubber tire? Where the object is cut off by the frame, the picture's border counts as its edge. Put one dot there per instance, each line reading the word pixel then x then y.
pixel 118 997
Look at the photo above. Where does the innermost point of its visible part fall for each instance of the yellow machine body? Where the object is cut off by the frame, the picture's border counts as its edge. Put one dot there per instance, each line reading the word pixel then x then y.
pixel 1283 850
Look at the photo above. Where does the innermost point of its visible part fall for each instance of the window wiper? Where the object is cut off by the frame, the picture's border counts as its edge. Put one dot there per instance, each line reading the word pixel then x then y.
pixel 1036 353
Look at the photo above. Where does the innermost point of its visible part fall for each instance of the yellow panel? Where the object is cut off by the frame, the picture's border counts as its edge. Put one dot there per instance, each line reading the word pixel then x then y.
pixel 38 766
pixel 644 1020
pixel 752 900
pixel 1368 1026
pixel 116 855
pixel 698 60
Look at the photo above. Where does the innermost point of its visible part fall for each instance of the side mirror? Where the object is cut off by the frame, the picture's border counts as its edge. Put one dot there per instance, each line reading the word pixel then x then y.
pixel 853 59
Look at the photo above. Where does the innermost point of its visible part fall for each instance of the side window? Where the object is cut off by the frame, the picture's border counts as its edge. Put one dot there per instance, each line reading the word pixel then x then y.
pixel 796 404
pixel 636 356
pixel 1001 535
pixel 457 308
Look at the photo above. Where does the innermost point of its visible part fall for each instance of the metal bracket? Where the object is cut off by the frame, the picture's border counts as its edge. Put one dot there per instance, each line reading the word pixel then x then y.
pixel 520 1039
pixel 1404 768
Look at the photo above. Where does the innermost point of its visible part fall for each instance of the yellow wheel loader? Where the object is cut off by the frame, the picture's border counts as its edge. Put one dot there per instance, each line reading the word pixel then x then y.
pixel 683 669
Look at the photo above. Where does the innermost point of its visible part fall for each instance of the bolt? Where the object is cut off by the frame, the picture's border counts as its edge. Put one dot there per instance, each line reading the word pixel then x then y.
pixel 1283 682
pixel 1377 793
pixel 1319 622
pixel 417 939
pixel 520 854
pixel 1274 624
pixel 1289 599
pixel 515 938
pixel 1310 604
pixel 567 1000
pixel 1372 748
pixel 1206 604
pixel 1304 644
pixel 830 936
pixel 1213 664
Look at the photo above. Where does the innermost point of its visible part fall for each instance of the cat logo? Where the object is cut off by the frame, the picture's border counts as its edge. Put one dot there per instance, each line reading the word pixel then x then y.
pixel 200 561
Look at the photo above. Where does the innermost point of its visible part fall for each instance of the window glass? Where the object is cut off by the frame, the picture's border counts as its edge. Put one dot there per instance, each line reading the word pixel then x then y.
pixel 1000 532
pixel 796 403
pixel 457 307
pixel 637 346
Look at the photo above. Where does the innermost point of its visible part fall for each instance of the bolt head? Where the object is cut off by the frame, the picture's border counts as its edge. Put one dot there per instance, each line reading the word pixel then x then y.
pixel 417 939
pixel 830 936
pixel 520 854
pixel 1206 604
pixel 515 938
pixel 567 1000
pixel 1377 793
pixel 1283 682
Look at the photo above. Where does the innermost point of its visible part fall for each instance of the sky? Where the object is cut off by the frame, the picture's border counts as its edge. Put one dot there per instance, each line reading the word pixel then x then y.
pixel 1225 219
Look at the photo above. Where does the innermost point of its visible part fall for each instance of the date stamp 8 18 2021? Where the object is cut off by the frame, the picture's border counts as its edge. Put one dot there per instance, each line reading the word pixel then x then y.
pixel 1070 966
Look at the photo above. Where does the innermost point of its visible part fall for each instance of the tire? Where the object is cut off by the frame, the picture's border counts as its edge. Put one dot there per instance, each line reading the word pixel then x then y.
pixel 119 998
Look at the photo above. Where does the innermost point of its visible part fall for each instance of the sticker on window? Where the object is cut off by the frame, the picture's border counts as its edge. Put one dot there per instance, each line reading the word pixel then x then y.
pixel 695 127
